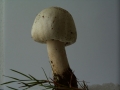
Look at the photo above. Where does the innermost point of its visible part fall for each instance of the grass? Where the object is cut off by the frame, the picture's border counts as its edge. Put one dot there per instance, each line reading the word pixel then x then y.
pixel 49 83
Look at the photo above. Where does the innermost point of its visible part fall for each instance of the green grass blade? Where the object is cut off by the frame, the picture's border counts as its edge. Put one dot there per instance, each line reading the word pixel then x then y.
pixel 48 87
pixel 20 73
pixel 26 80
pixel 45 75
pixel 12 78
pixel 26 85
pixel 8 82
pixel 30 86
pixel 33 78
pixel 12 88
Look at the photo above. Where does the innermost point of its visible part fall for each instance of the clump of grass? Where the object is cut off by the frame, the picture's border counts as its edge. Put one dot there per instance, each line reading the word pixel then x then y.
pixel 49 83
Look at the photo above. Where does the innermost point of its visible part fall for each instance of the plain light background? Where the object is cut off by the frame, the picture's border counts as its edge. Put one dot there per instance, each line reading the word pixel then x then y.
pixel 93 58
pixel 1 42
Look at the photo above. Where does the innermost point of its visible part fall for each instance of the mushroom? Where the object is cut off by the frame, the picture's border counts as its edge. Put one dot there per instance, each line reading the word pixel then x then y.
pixel 55 27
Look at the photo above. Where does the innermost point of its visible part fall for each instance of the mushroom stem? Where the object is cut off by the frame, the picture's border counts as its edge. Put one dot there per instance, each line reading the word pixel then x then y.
pixel 57 56
pixel 59 63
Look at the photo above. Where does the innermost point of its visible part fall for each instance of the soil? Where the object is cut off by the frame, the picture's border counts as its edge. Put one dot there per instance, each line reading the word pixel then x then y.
pixel 66 79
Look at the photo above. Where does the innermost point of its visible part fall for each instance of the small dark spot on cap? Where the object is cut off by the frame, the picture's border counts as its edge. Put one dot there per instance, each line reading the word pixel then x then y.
pixel 55 73
pixel 66 43
pixel 43 16
pixel 53 21
pixel 51 62
pixel 71 32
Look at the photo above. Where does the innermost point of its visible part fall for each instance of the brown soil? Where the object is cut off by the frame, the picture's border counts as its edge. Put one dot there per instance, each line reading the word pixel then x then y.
pixel 67 79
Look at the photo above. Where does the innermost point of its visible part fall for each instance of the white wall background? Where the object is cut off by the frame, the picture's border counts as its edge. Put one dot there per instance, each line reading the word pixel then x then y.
pixel 1 41
pixel 95 55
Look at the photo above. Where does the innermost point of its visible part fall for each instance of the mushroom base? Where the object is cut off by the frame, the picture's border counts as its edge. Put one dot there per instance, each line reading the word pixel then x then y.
pixel 66 79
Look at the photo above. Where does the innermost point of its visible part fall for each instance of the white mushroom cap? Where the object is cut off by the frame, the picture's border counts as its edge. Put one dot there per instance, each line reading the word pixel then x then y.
pixel 54 23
